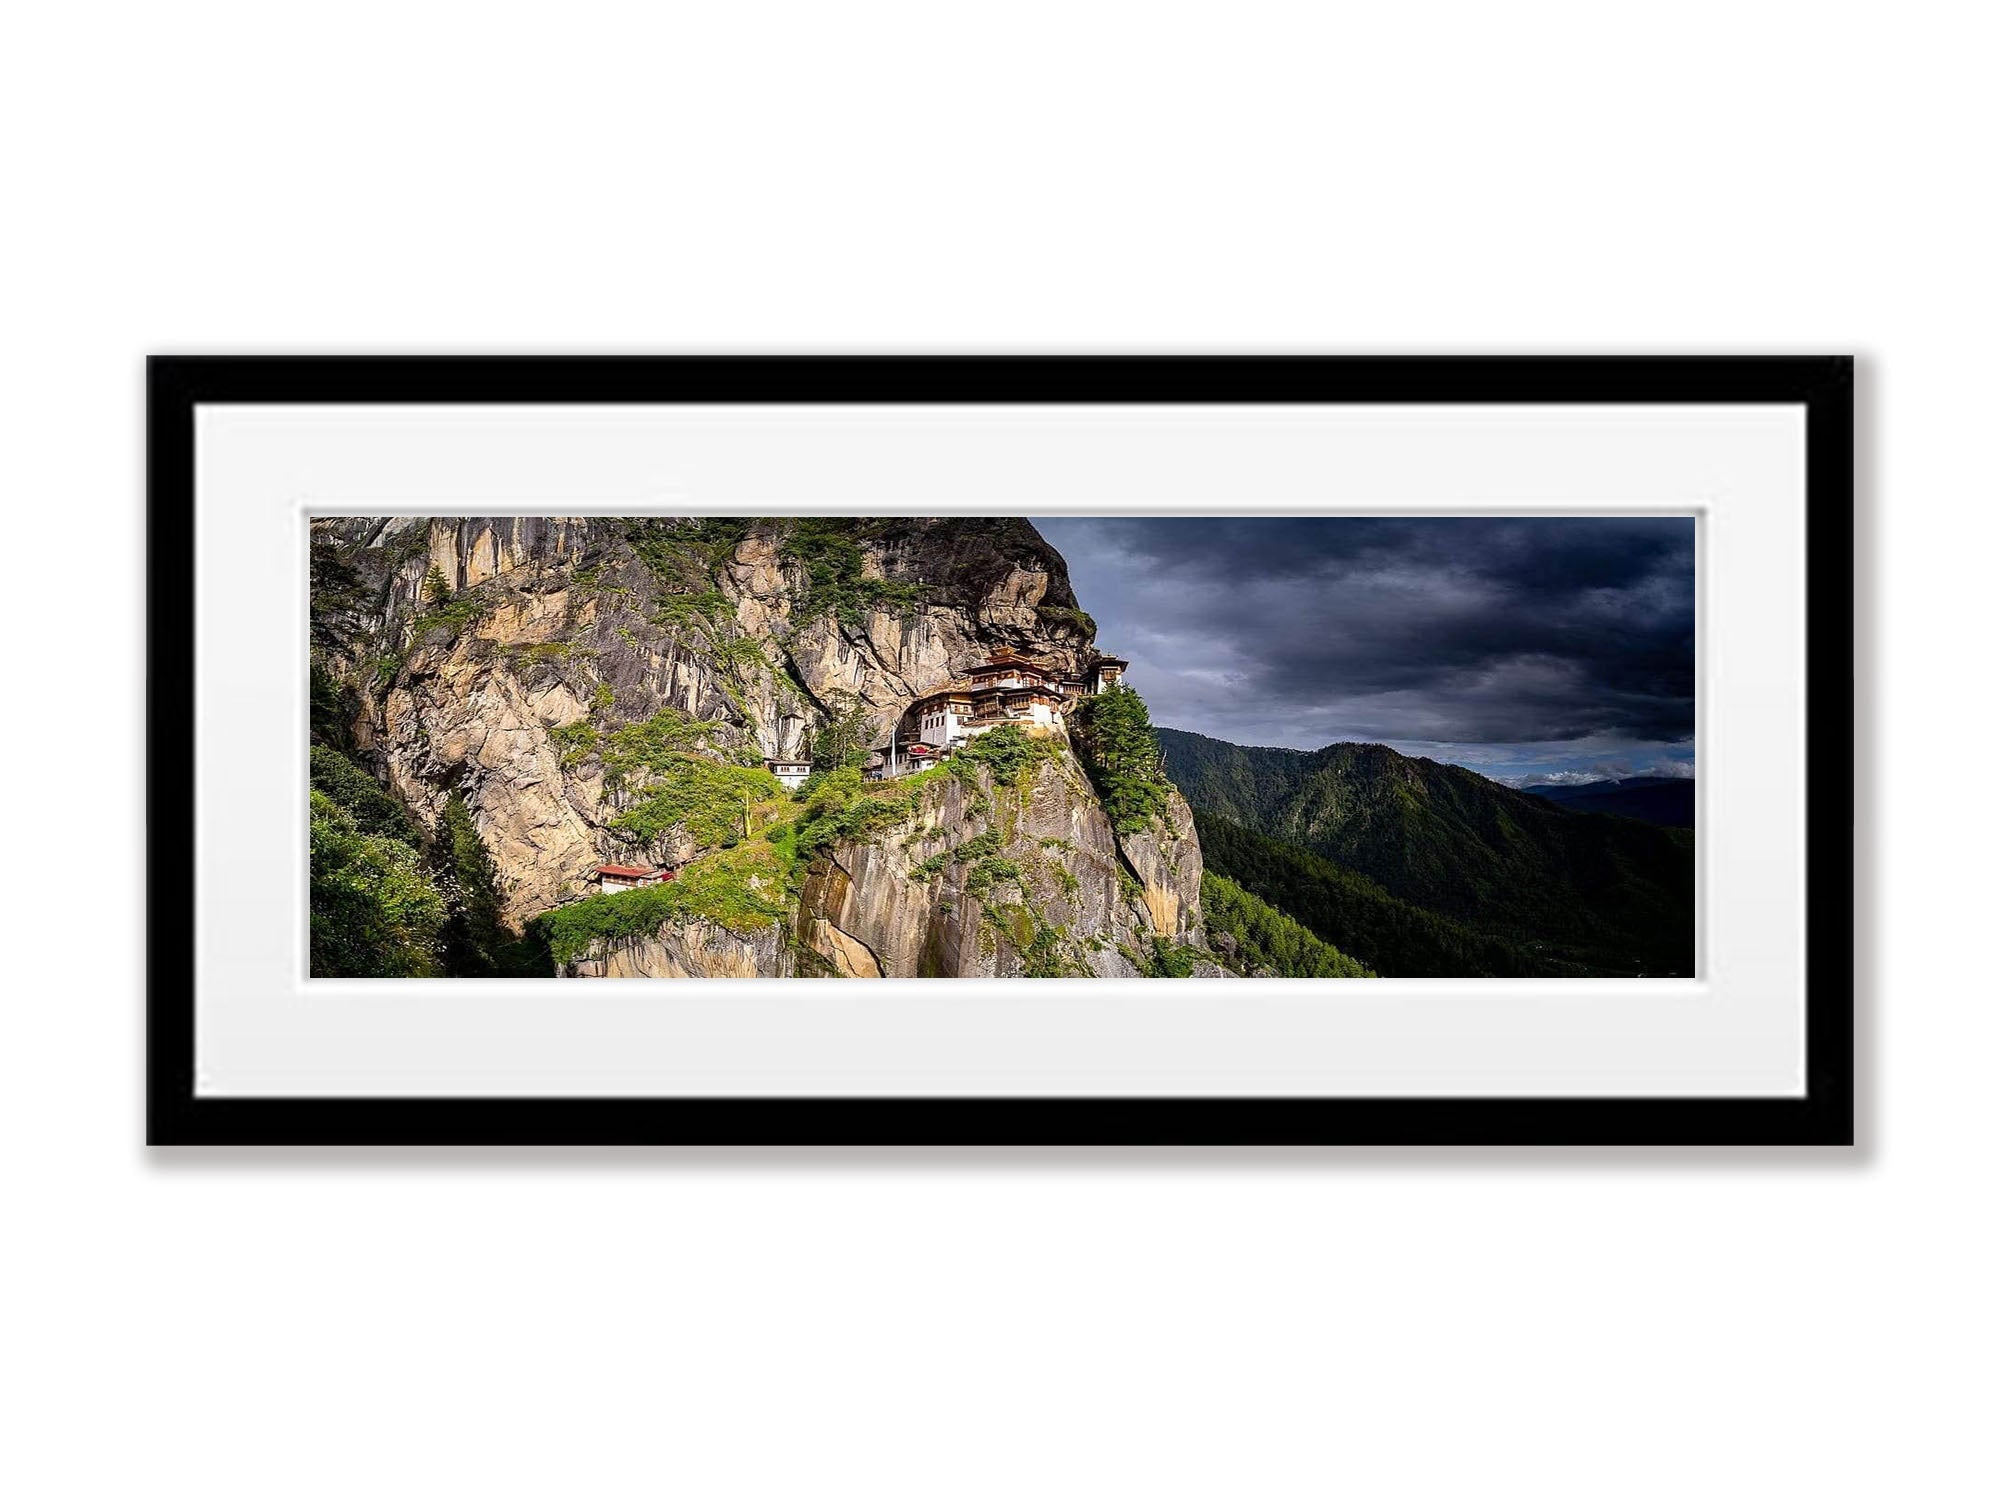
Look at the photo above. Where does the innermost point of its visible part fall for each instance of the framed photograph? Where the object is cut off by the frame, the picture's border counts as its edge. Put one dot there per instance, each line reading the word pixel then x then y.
pixel 1001 751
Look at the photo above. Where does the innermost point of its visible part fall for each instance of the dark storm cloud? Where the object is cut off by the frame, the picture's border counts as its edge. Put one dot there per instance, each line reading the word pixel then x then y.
pixel 1483 631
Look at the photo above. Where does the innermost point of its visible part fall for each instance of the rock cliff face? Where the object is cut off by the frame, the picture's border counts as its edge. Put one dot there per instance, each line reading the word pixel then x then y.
pixel 581 683
pixel 1002 878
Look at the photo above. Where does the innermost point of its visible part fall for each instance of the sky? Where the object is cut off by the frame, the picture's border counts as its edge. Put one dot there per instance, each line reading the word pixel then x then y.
pixel 1533 648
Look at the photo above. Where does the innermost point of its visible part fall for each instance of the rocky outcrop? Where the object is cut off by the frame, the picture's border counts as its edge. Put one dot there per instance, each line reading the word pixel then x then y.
pixel 498 658
pixel 1167 861
pixel 693 949
pixel 990 880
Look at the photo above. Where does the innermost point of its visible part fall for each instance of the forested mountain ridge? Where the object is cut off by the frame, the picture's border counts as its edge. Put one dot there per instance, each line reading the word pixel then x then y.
pixel 1558 891
pixel 1666 800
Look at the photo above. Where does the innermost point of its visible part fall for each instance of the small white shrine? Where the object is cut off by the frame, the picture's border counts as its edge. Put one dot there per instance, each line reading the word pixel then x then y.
pixel 792 773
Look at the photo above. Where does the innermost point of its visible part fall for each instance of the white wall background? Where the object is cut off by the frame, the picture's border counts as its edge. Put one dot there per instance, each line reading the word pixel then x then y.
pixel 1528 177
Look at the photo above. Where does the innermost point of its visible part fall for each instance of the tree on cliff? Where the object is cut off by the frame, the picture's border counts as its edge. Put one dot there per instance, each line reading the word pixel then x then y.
pixel 843 738
pixel 1123 758
pixel 478 944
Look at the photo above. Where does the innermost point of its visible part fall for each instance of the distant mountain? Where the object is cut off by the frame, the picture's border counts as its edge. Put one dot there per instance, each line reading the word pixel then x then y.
pixel 1666 800
pixel 1555 891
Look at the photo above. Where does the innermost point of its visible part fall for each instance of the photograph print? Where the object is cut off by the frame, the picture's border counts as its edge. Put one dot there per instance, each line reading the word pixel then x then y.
pixel 1002 747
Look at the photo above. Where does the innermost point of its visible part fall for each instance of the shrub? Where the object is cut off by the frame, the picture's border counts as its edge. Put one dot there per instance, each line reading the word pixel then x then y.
pixel 1064 618
pixel 1043 957
pixel 575 740
pixel 987 873
pixel 840 808
pixel 1007 752
pixel 451 615
pixel 706 608
pixel 1168 961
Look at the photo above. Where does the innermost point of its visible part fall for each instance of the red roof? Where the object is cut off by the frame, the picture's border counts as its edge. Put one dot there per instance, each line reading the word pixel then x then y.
pixel 628 872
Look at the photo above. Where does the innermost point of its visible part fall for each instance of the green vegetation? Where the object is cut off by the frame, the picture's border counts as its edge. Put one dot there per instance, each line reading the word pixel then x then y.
pixel 1265 938
pixel 388 903
pixel 477 942
pixel 437 588
pixel 707 609
pixel 684 553
pixel 989 872
pixel 749 879
pixel 1394 937
pixel 844 735
pixel 359 795
pixel 333 706
pixel 1129 887
pixel 1123 758
pixel 1042 956
pixel 982 845
pixel 1508 883
pixel 373 912
pixel 710 799
pixel 545 652
pixel 1044 949
pixel 407 545
pixel 649 745
pixel 336 593
pixel 988 868
pixel 1062 617
pixel 451 614
pixel 1169 960
pixel 742 889
pixel 827 549
pixel 738 654
pixel 575 740
pixel 1009 752
pixel 841 808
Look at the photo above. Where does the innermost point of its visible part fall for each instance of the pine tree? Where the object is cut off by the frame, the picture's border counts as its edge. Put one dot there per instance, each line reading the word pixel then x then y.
pixel 476 939
pixel 1123 758
pixel 843 739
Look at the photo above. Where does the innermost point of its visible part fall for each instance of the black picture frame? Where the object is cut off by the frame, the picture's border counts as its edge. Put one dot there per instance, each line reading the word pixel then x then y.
pixel 1824 1115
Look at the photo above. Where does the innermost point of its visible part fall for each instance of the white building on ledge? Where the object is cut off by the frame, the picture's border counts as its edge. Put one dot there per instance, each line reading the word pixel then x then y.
pixel 792 773
pixel 1007 689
